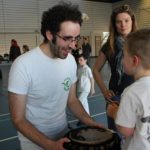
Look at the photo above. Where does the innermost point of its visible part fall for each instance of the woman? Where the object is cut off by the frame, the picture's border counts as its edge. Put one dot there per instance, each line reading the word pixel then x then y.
pixel 122 22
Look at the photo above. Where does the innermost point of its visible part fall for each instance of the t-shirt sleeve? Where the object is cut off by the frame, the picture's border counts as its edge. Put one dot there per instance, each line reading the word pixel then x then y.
pixel 74 71
pixel 89 73
pixel 18 78
pixel 126 115
pixel 104 49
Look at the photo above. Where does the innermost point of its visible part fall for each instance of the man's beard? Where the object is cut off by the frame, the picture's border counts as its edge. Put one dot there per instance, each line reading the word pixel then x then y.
pixel 54 49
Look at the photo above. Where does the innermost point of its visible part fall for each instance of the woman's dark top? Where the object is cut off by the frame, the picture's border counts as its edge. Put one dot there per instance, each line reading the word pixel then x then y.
pixel 119 80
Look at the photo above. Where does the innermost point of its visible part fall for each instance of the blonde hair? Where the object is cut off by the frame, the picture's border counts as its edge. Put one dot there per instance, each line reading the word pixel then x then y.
pixel 138 43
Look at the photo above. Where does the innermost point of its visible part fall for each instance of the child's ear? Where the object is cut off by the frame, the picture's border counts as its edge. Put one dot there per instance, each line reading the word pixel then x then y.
pixel 136 60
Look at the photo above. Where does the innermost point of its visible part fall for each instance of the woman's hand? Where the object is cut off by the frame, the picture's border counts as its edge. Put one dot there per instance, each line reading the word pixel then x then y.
pixel 108 94
pixel 112 110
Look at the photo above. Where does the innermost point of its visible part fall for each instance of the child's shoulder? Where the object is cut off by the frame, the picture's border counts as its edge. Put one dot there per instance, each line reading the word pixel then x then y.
pixel 88 68
pixel 139 87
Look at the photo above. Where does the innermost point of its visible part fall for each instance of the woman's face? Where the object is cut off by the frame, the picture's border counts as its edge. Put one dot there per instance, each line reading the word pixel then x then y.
pixel 123 24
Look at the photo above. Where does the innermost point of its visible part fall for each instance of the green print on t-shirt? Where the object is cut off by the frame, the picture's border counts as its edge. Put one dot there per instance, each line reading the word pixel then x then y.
pixel 67 83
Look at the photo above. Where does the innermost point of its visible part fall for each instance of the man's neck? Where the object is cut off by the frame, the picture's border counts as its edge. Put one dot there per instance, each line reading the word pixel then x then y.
pixel 46 49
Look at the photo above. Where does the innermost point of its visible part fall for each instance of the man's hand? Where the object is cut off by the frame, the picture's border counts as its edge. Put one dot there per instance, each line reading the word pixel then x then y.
pixel 57 145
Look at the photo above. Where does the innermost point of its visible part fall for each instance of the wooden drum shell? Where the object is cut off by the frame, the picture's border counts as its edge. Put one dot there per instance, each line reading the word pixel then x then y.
pixel 111 144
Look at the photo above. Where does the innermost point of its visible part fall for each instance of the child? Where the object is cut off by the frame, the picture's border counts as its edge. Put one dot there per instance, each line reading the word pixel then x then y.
pixel 85 84
pixel 133 115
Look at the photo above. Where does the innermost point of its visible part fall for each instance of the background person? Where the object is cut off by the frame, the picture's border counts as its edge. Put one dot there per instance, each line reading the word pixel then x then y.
pixel 42 83
pixel 1 59
pixel 85 84
pixel 0 74
pixel 14 50
pixel 75 53
pixel 25 48
pixel 86 49
pixel 122 22
pixel 133 116
pixel 6 57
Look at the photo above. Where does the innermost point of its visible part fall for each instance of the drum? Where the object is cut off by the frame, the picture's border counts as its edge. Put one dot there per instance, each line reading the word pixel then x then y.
pixel 88 138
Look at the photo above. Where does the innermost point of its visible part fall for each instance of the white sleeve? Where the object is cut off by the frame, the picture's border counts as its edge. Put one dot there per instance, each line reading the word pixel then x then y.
pixel 74 74
pixel 18 78
pixel 89 72
pixel 126 115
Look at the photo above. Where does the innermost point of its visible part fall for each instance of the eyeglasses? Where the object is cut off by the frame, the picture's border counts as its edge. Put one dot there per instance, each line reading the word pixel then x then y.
pixel 69 39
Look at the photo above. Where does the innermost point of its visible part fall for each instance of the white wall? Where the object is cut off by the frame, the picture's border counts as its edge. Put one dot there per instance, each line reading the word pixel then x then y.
pixel 20 19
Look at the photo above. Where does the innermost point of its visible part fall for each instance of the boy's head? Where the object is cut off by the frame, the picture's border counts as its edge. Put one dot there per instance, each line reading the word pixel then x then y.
pixel 82 60
pixel 137 51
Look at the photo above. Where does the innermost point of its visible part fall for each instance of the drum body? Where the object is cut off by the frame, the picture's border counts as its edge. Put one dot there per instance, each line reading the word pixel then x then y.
pixel 87 138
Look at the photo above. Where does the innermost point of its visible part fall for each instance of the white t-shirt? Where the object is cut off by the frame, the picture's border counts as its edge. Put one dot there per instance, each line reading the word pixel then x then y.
pixel 84 75
pixel 46 82
pixel 134 112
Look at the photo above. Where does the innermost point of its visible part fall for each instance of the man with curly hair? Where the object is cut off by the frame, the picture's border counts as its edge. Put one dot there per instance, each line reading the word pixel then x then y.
pixel 42 83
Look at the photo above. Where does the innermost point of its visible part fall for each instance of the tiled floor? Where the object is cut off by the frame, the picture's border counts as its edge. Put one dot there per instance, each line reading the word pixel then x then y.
pixel 8 134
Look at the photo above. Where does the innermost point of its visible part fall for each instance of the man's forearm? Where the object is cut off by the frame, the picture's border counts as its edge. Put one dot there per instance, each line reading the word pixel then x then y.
pixel 78 110
pixel 30 132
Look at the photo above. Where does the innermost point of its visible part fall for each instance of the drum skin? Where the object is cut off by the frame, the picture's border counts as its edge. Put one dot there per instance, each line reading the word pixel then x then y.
pixel 79 143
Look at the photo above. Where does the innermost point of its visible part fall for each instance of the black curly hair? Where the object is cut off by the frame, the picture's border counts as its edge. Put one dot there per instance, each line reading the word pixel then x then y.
pixel 53 17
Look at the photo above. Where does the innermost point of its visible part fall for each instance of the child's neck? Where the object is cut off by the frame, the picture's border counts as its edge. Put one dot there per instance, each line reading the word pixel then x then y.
pixel 83 65
pixel 143 73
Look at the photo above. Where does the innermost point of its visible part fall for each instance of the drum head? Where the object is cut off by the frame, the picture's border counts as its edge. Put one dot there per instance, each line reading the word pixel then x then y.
pixel 89 135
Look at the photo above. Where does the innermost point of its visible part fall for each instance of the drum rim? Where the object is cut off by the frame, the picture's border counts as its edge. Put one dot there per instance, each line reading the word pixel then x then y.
pixel 88 142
